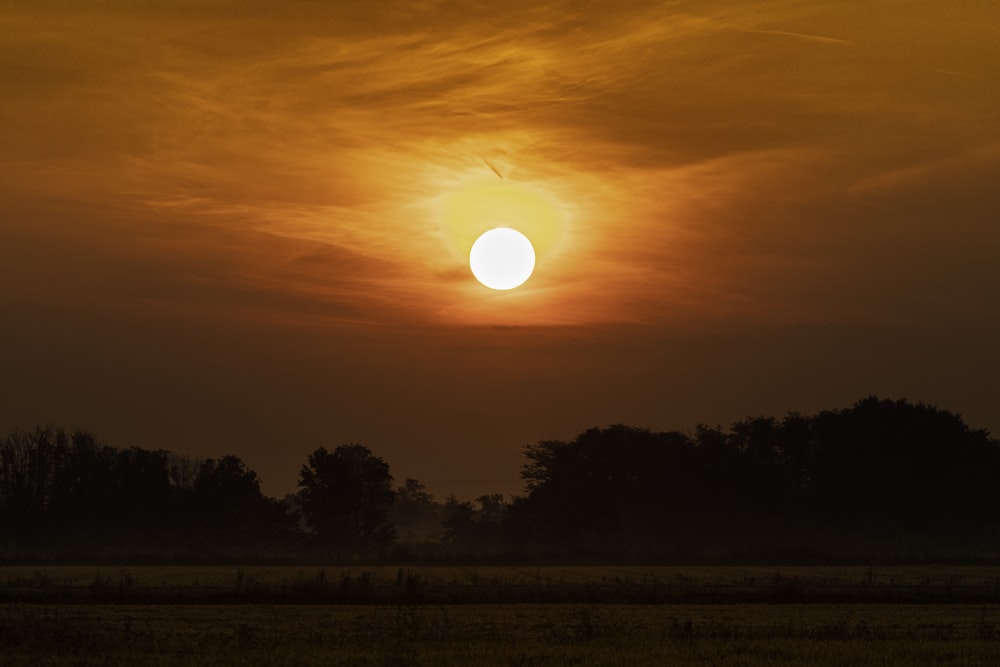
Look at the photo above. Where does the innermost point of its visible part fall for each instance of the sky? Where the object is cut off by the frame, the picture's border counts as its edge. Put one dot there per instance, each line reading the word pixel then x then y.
pixel 242 227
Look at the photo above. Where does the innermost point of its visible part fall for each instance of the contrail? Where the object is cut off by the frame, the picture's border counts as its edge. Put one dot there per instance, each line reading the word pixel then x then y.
pixel 805 36
pixel 490 165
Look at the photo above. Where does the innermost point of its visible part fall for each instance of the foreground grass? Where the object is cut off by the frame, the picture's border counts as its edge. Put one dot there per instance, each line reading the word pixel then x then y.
pixel 539 634
pixel 912 615
pixel 501 585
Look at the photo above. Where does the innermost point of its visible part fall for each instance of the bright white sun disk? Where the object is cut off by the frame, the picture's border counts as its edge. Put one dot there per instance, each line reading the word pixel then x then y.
pixel 502 258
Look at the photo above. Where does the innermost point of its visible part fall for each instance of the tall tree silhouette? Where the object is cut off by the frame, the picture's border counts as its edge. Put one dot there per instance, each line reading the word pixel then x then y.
pixel 346 494
pixel 227 506
pixel 65 488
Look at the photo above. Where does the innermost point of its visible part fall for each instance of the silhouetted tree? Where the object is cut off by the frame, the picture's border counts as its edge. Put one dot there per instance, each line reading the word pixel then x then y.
pixel 65 492
pixel 892 465
pixel 66 489
pixel 877 470
pixel 26 481
pixel 228 507
pixel 346 494
pixel 459 519
pixel 613 484
pixel 476 525
pixel 183 470
pixel 772 458
pixel 414 514
pixel 854 480
pixel 142 492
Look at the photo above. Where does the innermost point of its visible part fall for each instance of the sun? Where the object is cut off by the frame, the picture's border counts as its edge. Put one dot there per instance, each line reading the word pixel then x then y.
pixel 502 258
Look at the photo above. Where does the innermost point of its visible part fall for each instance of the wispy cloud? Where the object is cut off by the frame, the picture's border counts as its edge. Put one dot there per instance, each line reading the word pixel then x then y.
pixel 692 149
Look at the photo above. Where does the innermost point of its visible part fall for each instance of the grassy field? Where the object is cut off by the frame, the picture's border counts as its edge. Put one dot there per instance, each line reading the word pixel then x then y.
pixel 540 634
pixel 500 616
pixel 501 584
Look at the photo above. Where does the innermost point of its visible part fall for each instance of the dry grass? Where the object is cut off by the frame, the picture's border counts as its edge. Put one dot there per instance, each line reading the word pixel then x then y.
pixel 500 635
pixel 495 584
pixel 500 616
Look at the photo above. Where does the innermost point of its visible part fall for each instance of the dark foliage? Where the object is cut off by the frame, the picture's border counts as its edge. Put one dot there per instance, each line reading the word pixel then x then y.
pixel 879 475
pixel 66 493
pixel 883 478
pixel 416 516
pixel 226 506
pixel 346 495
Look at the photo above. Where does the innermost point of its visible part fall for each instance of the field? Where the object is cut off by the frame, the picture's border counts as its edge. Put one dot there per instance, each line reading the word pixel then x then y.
pixel 500 616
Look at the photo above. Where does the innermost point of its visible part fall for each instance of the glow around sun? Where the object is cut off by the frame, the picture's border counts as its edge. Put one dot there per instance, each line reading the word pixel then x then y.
pixel 502 258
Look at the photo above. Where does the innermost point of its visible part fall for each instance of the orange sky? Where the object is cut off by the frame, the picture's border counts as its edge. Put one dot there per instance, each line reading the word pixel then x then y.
pixel 245 229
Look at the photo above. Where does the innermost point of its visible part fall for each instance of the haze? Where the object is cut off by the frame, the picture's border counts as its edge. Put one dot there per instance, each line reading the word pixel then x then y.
pixel 221 228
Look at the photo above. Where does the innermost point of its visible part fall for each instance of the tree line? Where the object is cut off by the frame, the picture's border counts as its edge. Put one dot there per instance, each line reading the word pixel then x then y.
pixel 883 477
